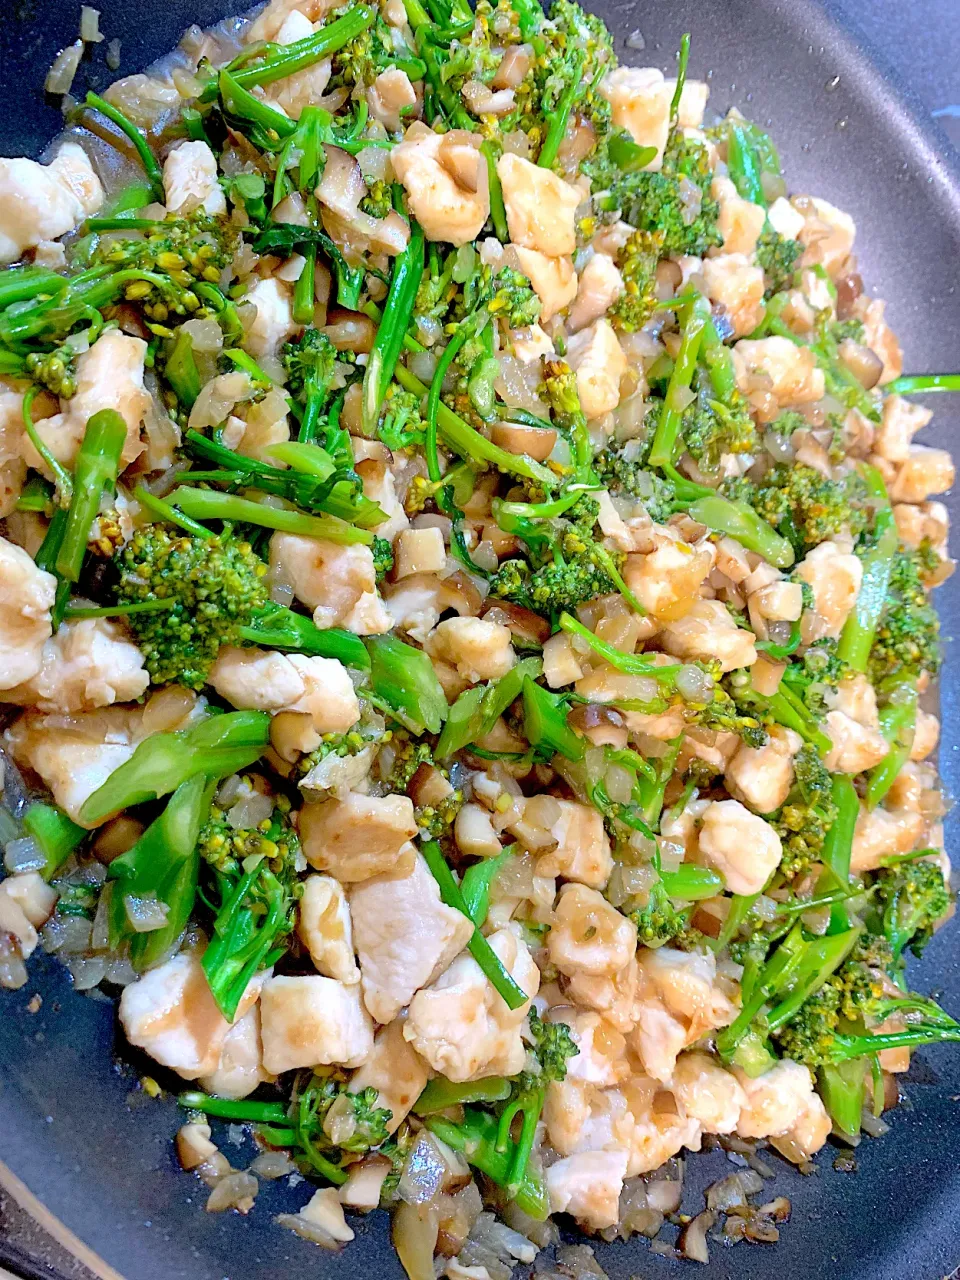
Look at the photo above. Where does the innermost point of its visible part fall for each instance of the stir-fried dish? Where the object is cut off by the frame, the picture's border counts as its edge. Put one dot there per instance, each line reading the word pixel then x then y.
pixel 465 627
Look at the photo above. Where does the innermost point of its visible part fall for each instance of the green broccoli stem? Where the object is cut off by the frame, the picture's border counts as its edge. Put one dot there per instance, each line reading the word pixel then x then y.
pixel 271 126
pixel 842 1087
pixel 490 963
pixel 744 166
pixel 254 915
pixel 560 116
pixel 898 722
pixel 470 444
pixel 690 883
pixel 164 863
pixel 545 722
pixel 490 151
pixel 693 314
pixel 62 477
pixel 441 1094
pixel 46 559
pixel 682 63
pixel 477 710
pixel 21 284
pixel 741 522
pixel 630 664
pixel 923 383
pixel 477 881
pixel 652 792
pixel 860 629
pixel 181 370
pixel 284 60
pixel 151 165
pixel 780 969
pixel 164 511
pixel 477 1138
pixel 738 914
pixel 95 472
pixel 304 295
pixel 54 834
pixel 73 612
pixel 465 330
pixel 216 747
pixel 778 652
pixel 403 677
pixel 394 322
pixel 228 1109
pixel 211 504
pixel 719 362
pixel 821 958
pixel 845 1048
pixel 281 628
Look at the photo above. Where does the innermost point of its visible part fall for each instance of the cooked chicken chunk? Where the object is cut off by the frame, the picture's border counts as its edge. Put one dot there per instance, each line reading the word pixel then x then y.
pixel 13 467
pixel 554 280
pixel 190 180
pixel 736 284
pixel 588 1187
pixel 26 598
pixel 405 937
pixel 583 850
pixel 762 776
pixel 89 663
pixel 775 1100
pixel 43 202
pixel 325 929
pixel 359 836
pixel 597 358
pixel 338 583
pixel 708 631
pixel 395 1070
pixel 264 680
pixel 240 1069
pixel 272 322
pixel 640 98
pixel 600 285
pixel 462 1026
pixel 708 1093
pixel 445 178
pixel 739 845
pixel 834 576
pixel 588 934
pixel 680 1001
pixel 480 650
pixel 313 1021
pixel 740 221
pixel 791 371
pixel 540 206
pixel 827 234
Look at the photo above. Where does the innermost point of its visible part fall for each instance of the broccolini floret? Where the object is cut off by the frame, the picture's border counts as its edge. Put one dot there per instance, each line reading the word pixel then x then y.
pixel 912 898
pixel 808 813
pixel 908 634
pixel 637 261
pixel 711 429
pixel 803 505
pixel 309 361
pixel 777 256
pixel 216 585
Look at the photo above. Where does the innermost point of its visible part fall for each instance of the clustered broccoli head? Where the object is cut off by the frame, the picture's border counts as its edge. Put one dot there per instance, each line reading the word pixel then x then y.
pixel 803 505
pixel 817 673
pixel 332 1118
pixel 553 1046
pixel 911 898
pixel 309 361
pixel 722 713
pixel 661 924
pixel 807 815
pixel 401 423
pixel 511 298
pixel 711 429
pixel 382 557
pixel 630 475
pixel 217 586
pixel 224 846
pixel 778 257
pixel 908 635
pixel 637 261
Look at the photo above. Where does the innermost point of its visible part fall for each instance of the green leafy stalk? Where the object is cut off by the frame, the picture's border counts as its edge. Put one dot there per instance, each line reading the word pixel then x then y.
pixel 243 1111
pixel 210 504
pixel 478 709
pixel 898 722
pixel 860 629
pixel 216 747
pixel 283 60
pixel 403 677
pixel 151 166
pixel 739 521
pixel 61 476
pixel 477 881
pixel 280 628
pixel 441 1094
pixel 923 383
pixel 394 322
pixel 693 319
pixel 545 722
pixel 838 844
pixel 630 664
pixel 477 1138
pixel 682 63
pixel 54 834
pixel 95 471
pixel 492 966
pixel 255 914
pixel 490 151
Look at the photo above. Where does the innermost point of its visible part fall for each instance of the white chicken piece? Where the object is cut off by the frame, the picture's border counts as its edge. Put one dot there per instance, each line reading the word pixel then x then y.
pixel 925 735
pixel 738 845
pixel 170 1013
pixel 925 471
pixel 462 1026
pixel 264 680
pixel 775 1100
pixel 589 935
pixel 413 605
pixel 597 358
pixel 785 219
pixel 388 95
pixel 900 422
pixel 359 836
pixel 708 1093
pixel 395 1070
pixel 601 1049
pixel 639 99
pixel 554 280
pixel 880 833
pixel 273 19
pixel 325 929
pixel 26 903
pixel 679 1002
pixel 667 580
pixel 74 760
pixel 588 1186
pixel 240 1068
pixel 740 221
pixel 736 284
pixel 480 650
pixel 811 1128
pixel 613 995
pixel 879 337
pixel 13 467
pixel 191 181
pixel 792 371
pixel 583 849
pixel 762 776
pixel 834 576
pixel 43 202
pixel 856 746
pixel 380 486
pixel 530 345
pixel 708 631
pixel 540 206
pixel 827 234
pixel 600 285
pixel 338 583
pixel 926 522
pixel 404 935
pixel 27 595
pixel 109 376
pixel 445 181
pixel 658 1131
pixel 89 663
pixel 271 322
pixel 313 1021
pixel 294 92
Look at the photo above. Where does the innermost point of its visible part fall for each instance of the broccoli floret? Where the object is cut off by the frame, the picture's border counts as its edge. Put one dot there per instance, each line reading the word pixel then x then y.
pixel 382 557
pixel 908 635
pixel 803 505
pixel 816 674
pixel 224 846
pixel 560 391
pixel 912 899
pixel 361 60
pixel 807 815
pixel 401 423
pixel 328 1118
pixel 777 256
pixel 55 370
pixel 638 265
pixel 378 201
pixel 711 429
pixel 216 585
pixel 724 714
pixel 309 361
pixel 809 1036
pixel 507 294
pixel 618 472
pixel 660 923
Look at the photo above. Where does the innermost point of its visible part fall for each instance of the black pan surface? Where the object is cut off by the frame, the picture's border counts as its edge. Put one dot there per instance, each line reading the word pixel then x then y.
pixel 73 1126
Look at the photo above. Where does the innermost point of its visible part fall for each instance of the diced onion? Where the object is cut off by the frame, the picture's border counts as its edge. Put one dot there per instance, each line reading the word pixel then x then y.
pixel 235 1191
pixel 13 972
pixel 145 914
pixel 423 1171
pixel 23 854
pixel 64 68
pixel 112 57
pixel 90 25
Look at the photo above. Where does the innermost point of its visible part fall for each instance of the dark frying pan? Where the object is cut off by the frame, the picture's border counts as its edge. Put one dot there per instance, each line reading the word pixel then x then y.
pixel 73 1127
